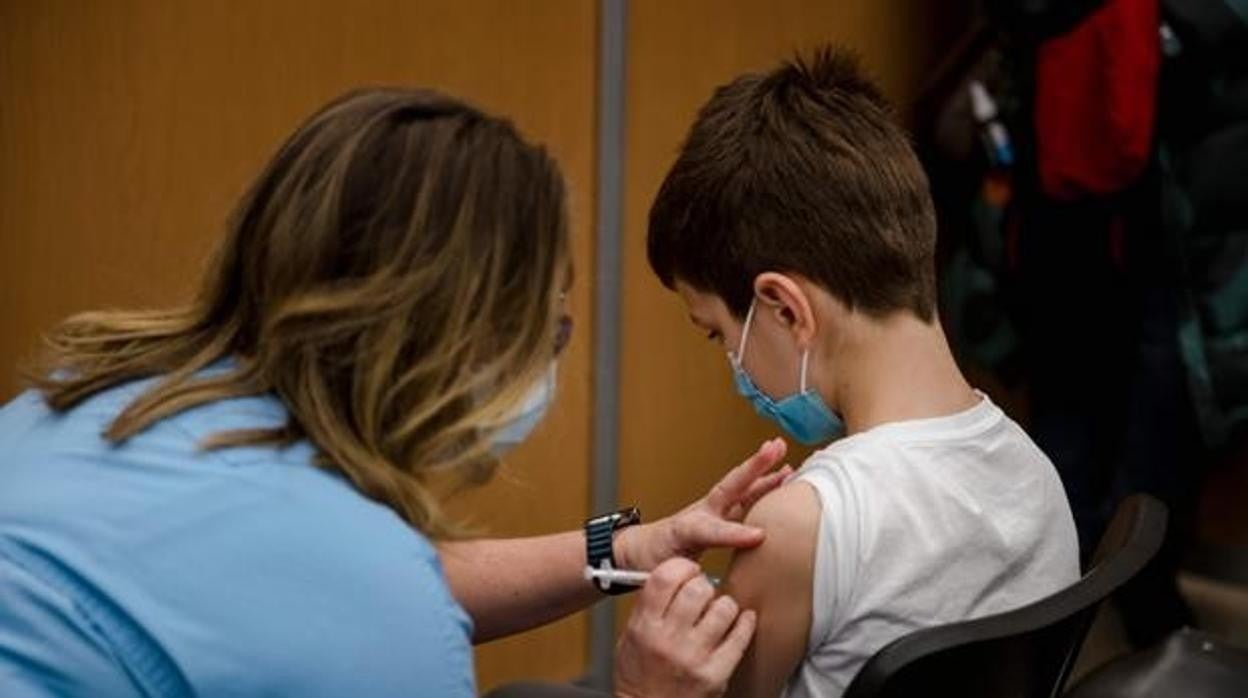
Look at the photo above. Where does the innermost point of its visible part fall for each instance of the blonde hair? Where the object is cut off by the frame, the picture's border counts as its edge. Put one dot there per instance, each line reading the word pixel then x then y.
pixel 392 277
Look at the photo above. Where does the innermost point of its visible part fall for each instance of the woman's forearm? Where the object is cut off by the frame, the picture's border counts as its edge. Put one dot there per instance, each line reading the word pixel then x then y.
pixel 515 584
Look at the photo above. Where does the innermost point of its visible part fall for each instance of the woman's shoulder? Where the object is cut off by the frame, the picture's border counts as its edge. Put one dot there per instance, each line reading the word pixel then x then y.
pixel 242 562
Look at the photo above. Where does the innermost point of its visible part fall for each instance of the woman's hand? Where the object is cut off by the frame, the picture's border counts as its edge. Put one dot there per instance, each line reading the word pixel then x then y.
pixel 711 522
pixel 681 640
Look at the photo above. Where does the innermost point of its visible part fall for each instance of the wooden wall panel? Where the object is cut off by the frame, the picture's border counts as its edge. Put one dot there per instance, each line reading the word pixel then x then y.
pixel 128 128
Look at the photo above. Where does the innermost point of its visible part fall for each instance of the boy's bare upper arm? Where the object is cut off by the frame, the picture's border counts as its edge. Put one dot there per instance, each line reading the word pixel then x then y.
pixel 775 580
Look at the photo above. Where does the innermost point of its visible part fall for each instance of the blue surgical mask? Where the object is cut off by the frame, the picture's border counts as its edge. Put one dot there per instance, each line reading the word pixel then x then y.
pixel 529 415
pixel 803 415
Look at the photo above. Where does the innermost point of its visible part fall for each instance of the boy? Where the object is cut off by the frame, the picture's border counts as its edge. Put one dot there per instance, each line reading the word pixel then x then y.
pixel 797 227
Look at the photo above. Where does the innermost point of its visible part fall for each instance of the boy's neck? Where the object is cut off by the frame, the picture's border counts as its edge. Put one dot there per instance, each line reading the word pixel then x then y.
pixel 897 369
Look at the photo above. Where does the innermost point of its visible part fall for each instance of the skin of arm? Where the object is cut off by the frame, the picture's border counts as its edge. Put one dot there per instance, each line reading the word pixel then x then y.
pixel 488 580
pixel 775 580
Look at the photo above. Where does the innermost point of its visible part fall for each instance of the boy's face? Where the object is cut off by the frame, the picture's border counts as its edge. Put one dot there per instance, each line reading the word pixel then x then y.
pixel 771 358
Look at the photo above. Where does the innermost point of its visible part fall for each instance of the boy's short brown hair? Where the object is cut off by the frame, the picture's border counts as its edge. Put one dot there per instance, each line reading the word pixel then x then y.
pixel 802 170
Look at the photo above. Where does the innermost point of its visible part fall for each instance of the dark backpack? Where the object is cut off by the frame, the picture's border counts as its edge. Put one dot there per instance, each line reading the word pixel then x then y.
pixel 1203 151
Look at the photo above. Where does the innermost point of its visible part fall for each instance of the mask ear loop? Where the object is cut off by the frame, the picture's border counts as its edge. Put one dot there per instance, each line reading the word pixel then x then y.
pixel 802 378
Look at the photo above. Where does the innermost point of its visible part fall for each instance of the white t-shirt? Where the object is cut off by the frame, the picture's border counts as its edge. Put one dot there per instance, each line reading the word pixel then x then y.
pixel 927 522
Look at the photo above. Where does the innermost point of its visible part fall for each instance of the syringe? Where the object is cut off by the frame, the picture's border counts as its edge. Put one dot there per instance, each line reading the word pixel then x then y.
pixel 632 578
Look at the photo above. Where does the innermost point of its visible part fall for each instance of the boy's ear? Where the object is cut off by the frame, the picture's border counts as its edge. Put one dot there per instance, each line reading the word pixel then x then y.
pixel 787 300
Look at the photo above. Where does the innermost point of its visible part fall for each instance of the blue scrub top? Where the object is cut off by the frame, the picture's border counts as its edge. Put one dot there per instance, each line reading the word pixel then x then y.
pixel 157 569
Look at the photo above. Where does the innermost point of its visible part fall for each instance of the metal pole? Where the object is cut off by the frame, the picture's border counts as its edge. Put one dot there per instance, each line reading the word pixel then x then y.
pixel 612 20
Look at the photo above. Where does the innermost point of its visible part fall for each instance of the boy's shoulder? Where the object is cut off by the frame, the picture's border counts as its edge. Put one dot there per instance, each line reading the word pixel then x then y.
pixel 785 508
pixel 775 579
pixel 856 450
pixel 790 516
pixel 918 457
pixel 982 424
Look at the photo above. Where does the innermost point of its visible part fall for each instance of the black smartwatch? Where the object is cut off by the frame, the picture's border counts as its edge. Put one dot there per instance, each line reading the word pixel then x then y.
pixel 599 544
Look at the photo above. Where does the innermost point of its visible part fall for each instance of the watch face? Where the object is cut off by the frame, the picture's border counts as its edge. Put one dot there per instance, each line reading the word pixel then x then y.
pixel 617 519
pixel 605 518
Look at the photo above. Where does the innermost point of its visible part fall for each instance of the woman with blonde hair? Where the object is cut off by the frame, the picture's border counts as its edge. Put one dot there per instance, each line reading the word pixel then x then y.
pixel 242 496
